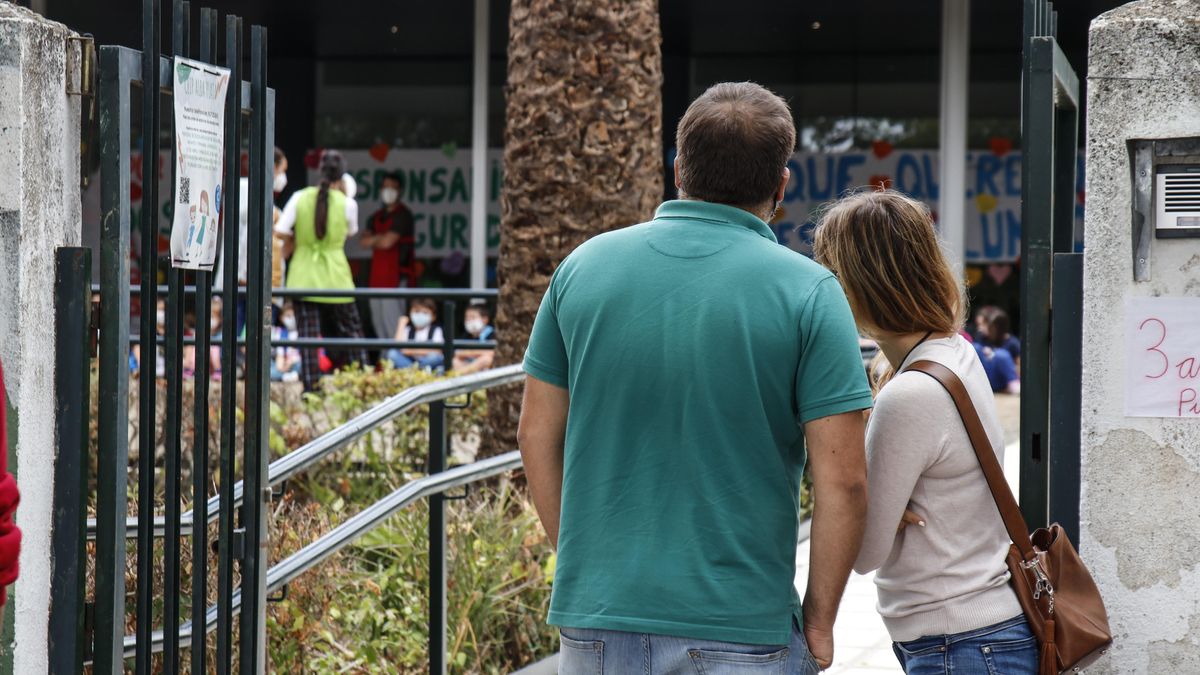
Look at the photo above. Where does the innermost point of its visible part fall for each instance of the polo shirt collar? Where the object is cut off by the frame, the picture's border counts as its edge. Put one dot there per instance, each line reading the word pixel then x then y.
pixel 719 214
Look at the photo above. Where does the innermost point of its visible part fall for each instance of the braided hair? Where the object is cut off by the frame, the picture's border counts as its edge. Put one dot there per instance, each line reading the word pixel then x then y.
pixel 333 165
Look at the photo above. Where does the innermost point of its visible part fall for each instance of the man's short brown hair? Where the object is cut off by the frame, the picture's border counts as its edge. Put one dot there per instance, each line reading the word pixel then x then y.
pixel 734 143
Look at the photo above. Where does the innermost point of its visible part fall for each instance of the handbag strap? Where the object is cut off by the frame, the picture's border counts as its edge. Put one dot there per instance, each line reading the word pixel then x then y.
pixel 1014 522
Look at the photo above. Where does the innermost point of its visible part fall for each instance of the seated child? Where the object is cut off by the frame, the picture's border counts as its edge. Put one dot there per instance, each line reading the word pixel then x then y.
pixel 477 320
pixel 285 361
pixel 419 326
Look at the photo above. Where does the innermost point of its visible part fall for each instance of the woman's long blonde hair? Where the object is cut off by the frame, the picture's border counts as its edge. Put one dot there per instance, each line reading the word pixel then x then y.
pixel 882 246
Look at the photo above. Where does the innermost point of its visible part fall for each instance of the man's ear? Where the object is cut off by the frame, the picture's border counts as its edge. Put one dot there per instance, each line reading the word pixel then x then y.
pixel 787 176
pixel 678 182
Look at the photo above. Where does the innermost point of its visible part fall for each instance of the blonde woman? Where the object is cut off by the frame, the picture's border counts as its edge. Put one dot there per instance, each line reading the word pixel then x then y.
pixel 933 532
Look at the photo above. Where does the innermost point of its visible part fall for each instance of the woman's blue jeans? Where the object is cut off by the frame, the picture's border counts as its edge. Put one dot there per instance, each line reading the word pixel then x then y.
pixel 1007 648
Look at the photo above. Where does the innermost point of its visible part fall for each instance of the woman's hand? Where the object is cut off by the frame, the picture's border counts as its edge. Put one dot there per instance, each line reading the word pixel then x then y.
pixel 910 518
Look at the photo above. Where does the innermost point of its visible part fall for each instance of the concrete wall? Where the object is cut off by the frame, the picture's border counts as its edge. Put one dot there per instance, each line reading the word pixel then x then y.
pixel 1140 512
pixel 39 211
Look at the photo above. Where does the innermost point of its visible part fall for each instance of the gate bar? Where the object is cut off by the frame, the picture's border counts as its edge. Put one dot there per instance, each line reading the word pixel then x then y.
pixel 437 541
pixel 203 304
pixel 68 592
pixel 1066 376
pixel 230 227
pixel 172 428
pixel 118 67
pixel 253 621
pixel 147 382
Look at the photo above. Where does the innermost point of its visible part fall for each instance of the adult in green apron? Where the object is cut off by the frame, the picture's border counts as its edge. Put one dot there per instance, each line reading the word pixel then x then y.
pixel 319 219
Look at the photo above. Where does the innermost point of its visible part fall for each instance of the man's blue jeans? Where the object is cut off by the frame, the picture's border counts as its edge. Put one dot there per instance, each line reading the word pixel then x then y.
pixel 1008 647
pixel 587 651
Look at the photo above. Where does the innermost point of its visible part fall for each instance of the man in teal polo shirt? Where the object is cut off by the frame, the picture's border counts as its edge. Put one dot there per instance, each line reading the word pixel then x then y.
pixel 676 369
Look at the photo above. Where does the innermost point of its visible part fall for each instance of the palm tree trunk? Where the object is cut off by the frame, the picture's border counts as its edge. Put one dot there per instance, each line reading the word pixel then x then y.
pixel 582 153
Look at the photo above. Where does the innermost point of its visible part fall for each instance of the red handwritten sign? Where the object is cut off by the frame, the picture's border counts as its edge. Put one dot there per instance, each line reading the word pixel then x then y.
pixel 1162 357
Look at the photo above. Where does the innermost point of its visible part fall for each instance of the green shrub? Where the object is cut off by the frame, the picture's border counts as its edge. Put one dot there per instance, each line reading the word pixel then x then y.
pixel 370 615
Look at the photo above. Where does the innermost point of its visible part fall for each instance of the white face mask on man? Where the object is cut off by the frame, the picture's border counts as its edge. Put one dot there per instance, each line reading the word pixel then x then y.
pixel 389 195
pixel 421 319
pixel 289 322
pixel 280 182
pixel 474 326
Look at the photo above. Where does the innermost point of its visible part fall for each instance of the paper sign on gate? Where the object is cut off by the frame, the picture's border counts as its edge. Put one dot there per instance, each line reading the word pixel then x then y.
pixel 1162 357
pixel 199 95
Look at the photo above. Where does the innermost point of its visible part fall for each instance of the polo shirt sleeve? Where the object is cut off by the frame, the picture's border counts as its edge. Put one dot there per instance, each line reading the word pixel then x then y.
pixel 546 356
pixel 830 379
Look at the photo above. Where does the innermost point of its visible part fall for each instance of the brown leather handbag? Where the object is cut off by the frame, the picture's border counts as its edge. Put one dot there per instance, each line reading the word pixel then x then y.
pixel 1055 589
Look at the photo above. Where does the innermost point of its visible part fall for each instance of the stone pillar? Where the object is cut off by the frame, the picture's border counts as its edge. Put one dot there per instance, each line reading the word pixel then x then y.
pixel 1140 510
pixel 39 211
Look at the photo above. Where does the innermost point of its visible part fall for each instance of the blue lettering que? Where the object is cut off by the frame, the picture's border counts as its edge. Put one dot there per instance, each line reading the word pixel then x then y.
pixel 782 230
pixel 908 175
pixel 986 168
pixel 993 234
pixel 845 163
pixel 931 183
pixel 815 191
pixel 1012 175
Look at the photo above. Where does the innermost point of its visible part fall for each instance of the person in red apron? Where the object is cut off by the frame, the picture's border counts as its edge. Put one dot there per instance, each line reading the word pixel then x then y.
pixel 389 236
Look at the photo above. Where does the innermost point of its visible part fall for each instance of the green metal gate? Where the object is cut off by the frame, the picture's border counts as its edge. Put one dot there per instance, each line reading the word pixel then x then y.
pixel 96 632
pixel 1051 277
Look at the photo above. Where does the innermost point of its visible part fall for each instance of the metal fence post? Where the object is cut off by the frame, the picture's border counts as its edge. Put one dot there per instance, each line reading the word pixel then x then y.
pixel 1066 377
pixel 73 313
pixel 172 430
pixel 437 542
pixel 147 382
pixel 113 445
pixel 199 642
pixel 257 401
pixel 449 333
pixel 227 552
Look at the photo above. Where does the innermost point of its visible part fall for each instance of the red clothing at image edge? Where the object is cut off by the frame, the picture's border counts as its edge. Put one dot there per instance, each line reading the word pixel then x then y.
pixel 10 535
pixel 389 266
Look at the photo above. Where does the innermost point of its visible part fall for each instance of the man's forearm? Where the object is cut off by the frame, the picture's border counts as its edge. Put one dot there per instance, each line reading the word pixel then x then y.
pixel 837 531
pixel 542 437
pixel 544 472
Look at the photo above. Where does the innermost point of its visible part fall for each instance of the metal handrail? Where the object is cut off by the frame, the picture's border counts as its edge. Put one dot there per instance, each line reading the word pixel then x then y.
pixel 343 343
pixel 366 292
pixel 321 447
pixel 343 535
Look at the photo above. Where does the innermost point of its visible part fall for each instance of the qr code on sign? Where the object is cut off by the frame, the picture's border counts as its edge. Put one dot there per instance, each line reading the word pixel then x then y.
pixel 185 190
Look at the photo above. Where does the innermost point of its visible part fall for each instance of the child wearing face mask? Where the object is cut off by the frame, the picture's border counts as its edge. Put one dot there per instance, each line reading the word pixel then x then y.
pixel 478 322
pixel 418 326
pixel 389 237
pixel 285 361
